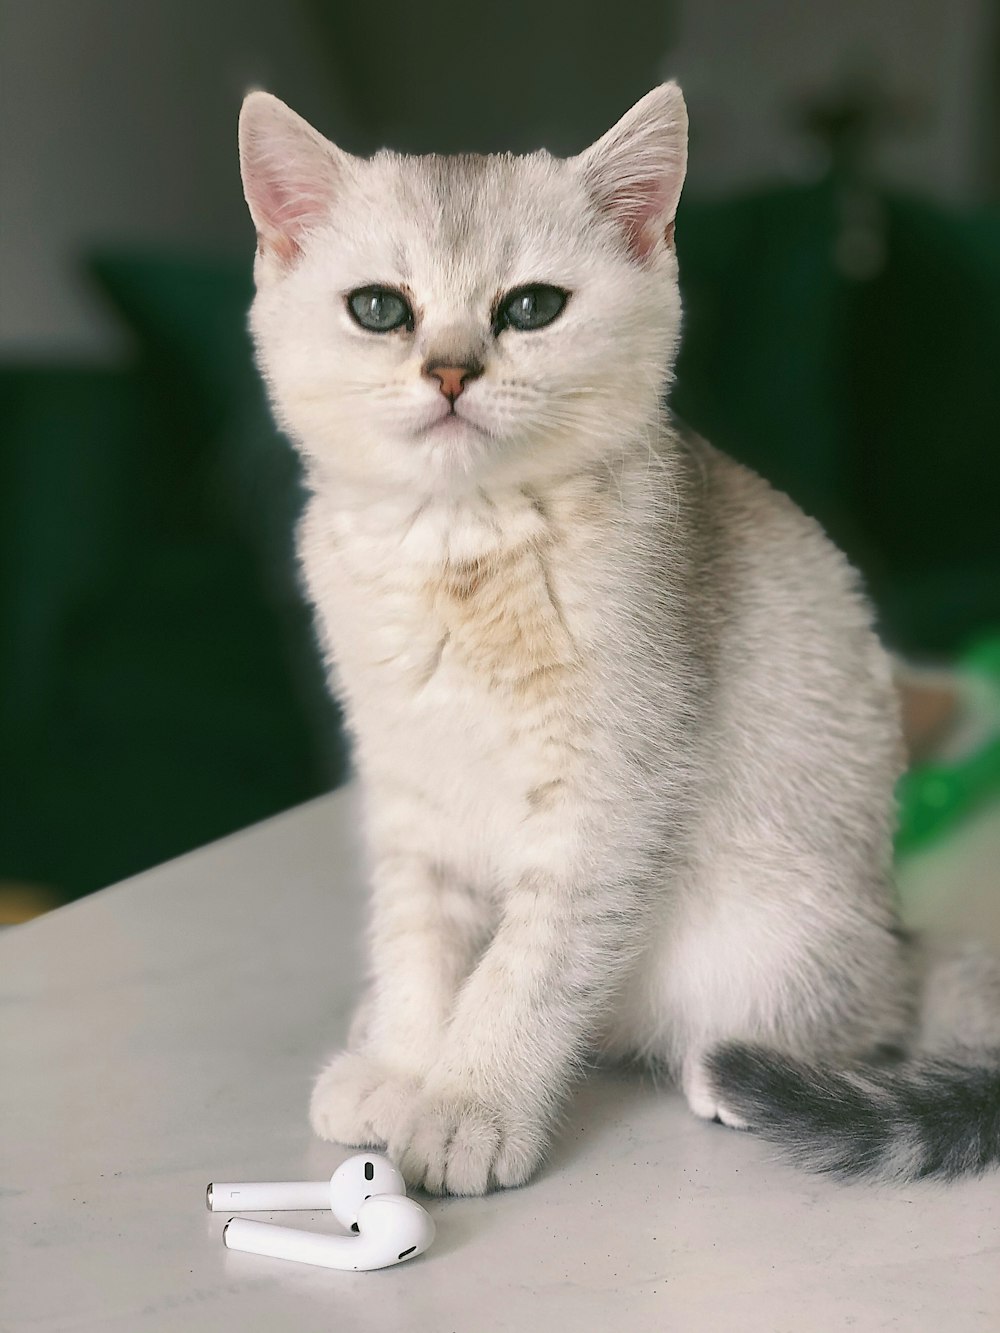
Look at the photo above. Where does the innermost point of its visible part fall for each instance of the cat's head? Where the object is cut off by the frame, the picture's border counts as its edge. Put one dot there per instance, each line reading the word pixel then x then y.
pixel 435 322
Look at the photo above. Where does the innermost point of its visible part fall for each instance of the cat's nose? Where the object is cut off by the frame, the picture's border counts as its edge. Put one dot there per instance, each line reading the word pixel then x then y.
pixel 452 379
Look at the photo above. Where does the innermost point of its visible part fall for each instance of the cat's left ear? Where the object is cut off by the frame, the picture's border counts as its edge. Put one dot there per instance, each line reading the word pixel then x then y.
pixel 291 176
pixel 635 172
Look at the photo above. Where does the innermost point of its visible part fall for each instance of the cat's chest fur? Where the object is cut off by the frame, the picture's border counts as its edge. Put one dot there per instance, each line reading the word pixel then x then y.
pixel 462 639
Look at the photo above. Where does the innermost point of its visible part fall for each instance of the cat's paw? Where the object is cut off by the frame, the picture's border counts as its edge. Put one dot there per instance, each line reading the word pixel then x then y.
pixel 704 1100
pixel 361 1103
pixel 457 1143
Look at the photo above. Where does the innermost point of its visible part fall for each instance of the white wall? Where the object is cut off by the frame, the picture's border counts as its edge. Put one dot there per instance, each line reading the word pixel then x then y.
pixel 746 64
pixel 114 118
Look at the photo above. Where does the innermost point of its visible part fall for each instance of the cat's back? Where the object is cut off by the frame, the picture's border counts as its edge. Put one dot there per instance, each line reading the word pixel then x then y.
pixel 804 695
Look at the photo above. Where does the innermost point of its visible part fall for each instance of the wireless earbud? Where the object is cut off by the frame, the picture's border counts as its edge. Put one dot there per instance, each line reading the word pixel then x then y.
pixel 391 1229
pixel 359 1179
pixel 354 1181
pixel 366 1194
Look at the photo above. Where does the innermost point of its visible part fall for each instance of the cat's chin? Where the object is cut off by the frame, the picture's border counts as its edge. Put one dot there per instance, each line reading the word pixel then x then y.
pixel 449 444
pixel 454 446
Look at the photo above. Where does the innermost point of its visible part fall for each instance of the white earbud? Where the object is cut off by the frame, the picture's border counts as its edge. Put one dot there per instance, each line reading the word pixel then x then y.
pixel 391 1229
pixel 354 1181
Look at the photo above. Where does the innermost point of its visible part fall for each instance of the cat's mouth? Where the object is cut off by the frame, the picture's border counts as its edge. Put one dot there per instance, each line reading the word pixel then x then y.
pixel 451 422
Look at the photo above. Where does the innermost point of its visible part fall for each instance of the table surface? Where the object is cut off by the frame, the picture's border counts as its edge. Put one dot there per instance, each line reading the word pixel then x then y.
pixel 164 1032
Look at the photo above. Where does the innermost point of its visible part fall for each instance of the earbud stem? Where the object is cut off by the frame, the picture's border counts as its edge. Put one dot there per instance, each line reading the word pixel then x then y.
pixel 306 1247
pixel 265 1197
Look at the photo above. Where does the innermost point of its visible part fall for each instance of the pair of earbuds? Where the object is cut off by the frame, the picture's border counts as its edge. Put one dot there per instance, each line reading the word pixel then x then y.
pixel 367 1196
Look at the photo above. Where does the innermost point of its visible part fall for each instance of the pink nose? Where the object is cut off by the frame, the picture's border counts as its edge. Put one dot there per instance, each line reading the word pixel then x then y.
pixel 452 379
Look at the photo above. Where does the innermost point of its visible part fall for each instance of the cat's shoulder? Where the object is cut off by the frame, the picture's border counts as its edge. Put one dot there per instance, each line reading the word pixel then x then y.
pixel 735 491
pixel 747 519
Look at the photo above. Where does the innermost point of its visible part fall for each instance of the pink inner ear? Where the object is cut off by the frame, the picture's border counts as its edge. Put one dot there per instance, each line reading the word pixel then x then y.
pixel 289 182
pixel 643 210
pixel 285 208
pixel 635 173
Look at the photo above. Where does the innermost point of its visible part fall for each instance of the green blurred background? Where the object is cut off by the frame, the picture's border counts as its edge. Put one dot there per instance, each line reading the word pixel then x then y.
pixel 840 253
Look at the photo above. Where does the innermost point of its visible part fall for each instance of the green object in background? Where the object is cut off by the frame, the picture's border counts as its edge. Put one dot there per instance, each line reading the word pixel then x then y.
pixel 874 402
pixel 935 798
pixel 159 682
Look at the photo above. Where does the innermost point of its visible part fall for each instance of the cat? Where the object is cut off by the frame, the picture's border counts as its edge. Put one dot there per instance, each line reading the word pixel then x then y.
pixel 627 738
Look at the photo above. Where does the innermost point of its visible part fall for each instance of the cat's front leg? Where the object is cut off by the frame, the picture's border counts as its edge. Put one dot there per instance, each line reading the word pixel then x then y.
pixel 425 933
pixel 518 1029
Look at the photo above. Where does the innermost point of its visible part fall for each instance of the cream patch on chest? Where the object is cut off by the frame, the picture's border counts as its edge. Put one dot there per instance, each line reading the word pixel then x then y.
pixel 464 651
pixel 504 625
pixel 506 635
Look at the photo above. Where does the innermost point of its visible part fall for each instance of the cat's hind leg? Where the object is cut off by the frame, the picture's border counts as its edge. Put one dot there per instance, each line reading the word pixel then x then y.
pixel 703 1096
pixel 757 953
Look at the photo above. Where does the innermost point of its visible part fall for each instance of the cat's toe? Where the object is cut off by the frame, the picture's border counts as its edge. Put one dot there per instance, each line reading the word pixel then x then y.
pixel 461 1145
pixel 339 1093
pixel 359 1103
pixel 517 1158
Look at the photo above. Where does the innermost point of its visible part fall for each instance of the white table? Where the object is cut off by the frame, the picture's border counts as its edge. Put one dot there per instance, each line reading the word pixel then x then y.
pixel 165 1032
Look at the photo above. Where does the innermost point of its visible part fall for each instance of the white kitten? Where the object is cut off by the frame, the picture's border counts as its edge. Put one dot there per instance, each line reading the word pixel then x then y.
pixel 627 739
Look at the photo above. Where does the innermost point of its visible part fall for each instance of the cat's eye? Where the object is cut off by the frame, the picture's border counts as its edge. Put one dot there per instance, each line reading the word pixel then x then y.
pixel 528 308
pixel 379 309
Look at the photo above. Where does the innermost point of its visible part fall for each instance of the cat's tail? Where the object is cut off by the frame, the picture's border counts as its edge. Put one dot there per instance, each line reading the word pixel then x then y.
pixel 929 1117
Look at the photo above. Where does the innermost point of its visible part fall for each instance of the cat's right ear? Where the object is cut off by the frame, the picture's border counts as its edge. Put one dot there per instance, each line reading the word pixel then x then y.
pixel 291 177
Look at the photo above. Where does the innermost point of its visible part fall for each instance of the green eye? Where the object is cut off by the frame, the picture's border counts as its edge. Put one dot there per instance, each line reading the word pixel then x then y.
pixel 529 308
pixel 379 309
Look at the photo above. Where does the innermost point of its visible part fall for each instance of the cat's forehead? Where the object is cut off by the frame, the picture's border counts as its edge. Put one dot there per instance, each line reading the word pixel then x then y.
pixel 470 218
